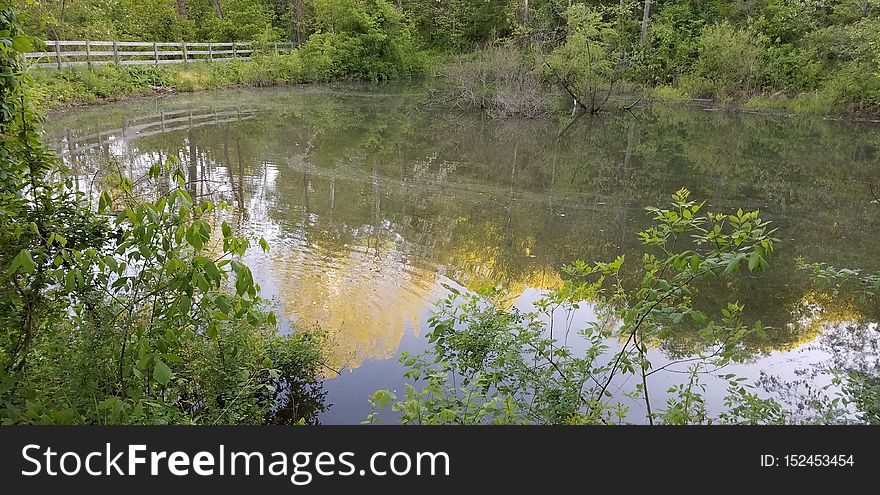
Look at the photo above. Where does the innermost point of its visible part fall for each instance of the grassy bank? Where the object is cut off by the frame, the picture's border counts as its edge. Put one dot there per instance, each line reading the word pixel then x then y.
pixel 829 100
pixel 77 86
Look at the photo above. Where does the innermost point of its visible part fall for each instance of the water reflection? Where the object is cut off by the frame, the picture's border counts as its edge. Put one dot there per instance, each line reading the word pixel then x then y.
pixel 372 201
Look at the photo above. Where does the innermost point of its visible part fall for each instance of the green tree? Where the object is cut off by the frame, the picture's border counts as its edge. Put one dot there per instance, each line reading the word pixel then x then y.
pixel 591 61
pixel 130 310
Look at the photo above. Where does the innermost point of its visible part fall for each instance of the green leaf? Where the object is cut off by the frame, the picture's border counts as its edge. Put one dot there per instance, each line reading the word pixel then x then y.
pixel 754 261
pixel 699 318
pixel 244 281
pixel 104 202
pixel 161 373
pixel 70 281
pixel 733 265
pixel 22 263
pixel 212 271
pixel 111 263
pixel 382 398
pixel 264 245
pixel 202 282
pixel 222 302
pixel 22 43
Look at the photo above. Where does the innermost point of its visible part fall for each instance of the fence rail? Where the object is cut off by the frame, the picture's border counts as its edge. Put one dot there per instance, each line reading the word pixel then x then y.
pixel 68 53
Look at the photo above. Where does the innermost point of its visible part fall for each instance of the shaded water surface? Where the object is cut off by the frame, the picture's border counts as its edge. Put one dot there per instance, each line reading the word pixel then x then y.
pixel 372 200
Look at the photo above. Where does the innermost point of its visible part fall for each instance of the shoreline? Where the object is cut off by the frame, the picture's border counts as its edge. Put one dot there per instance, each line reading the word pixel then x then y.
pixel 641 98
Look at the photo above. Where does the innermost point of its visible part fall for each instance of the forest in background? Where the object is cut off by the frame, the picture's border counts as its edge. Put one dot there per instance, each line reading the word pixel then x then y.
pixel 804 55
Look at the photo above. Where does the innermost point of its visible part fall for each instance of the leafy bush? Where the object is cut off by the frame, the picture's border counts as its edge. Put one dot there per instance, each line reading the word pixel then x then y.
pixel 852 87
pixel 364 39
pixel 273 70
pixel 242 20
pixel 591 61
pixel 461 25
pixel 728 58
pixel 670 48
pixel 789 69
pixel 147 20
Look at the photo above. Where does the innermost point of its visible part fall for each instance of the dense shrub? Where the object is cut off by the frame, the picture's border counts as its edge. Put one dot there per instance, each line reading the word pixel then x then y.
pixel 729 60
pixel 148 20
pixel 853 87
pixel 789 69
pixel 242 20
pixel 366 39
pixel 670 48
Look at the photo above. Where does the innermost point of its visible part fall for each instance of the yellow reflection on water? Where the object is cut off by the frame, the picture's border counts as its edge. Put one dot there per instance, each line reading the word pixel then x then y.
pixel 365 298
pixel 363 301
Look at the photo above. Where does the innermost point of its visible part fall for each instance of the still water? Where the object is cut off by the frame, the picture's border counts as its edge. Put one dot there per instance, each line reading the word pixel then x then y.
pixel 373 199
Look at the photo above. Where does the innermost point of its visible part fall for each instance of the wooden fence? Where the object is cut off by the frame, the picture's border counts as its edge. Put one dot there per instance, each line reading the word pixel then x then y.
pixel 62 54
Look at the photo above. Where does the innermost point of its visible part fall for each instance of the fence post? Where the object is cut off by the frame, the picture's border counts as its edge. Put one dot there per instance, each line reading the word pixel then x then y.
pixel 210 52
pixel 89 53
pixel 233 51
pixel 58 54
pixel 275 48
pixel 184 51
pixel 115 54
pixel 156 52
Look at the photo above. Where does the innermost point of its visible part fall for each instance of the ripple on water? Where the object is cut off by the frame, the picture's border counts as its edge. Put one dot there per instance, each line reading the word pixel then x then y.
pixel 365 296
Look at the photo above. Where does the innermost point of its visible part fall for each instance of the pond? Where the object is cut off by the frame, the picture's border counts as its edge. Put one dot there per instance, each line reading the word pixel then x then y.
pixel 374 200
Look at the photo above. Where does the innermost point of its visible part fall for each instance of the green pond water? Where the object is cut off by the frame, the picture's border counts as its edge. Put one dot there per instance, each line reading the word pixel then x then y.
pixel 373 199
